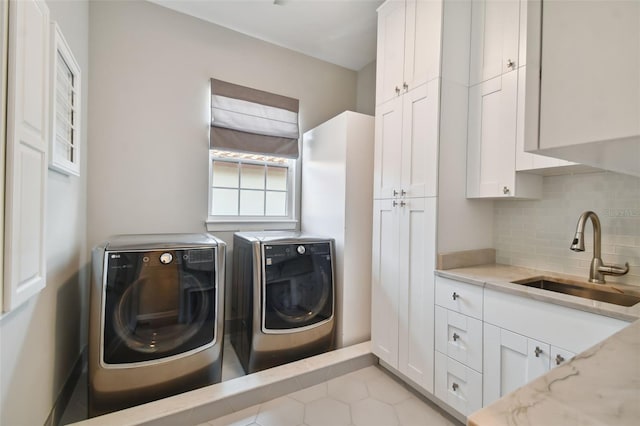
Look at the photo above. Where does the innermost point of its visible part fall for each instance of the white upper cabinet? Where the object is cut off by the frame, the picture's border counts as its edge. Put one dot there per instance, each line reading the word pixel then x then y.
pixel 408 46
pixel 494 39
pixel 590 84
pixel 406 144
pixel 27 147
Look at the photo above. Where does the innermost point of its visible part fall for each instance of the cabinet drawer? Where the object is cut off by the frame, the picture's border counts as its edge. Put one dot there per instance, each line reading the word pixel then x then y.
pixel 457 385
pixel 459 337
pixel 459 297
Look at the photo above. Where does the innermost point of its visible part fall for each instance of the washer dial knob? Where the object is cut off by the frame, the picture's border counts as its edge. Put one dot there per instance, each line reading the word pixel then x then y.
pixel 166 258
pixel 301 250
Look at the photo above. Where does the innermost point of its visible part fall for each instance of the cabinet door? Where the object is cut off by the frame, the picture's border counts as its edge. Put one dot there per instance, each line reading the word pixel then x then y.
pixel 384 282
pixel 26 168
pixel 422 42
pixel 491 141
pixel 494 38
pixel 390 53
pixel 601 102
pixel 416 285
pixel 387 158
pixel 510 361
pixel 420 126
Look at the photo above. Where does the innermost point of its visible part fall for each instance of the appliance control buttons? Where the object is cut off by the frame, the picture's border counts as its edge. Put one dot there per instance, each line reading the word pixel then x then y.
pixel 301 250
pixel 166 258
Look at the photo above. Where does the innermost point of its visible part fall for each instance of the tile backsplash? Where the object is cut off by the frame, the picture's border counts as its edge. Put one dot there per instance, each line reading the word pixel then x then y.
pixel 537 234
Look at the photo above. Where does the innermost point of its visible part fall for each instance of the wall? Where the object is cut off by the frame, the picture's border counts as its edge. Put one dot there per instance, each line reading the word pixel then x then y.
pixel 538 233
pixel 41 340
pixel 150 110
pixel 463 224
pixel 366 91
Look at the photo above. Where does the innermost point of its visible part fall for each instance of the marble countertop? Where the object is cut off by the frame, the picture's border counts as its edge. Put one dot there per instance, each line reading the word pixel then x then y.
pixel 600 386
pixel 499 277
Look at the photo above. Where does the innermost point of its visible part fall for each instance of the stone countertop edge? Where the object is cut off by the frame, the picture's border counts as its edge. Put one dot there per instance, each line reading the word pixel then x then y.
pixel 498 277
pixel 590 389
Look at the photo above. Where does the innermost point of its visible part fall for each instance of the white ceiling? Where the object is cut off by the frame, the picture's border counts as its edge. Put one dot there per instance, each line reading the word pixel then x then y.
pixel 342 32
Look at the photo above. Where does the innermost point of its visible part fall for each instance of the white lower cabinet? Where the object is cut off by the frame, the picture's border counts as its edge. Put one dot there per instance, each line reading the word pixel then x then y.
pixel 457 385
pixel 488 343
pixel 402 286
pixel 510 361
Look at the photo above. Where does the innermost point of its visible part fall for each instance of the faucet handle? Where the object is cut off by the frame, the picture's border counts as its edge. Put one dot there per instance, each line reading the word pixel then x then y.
pixel 614 269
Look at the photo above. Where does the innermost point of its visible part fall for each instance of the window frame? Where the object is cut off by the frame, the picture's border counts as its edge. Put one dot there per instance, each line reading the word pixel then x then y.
pixel 246 223
pixel 58 161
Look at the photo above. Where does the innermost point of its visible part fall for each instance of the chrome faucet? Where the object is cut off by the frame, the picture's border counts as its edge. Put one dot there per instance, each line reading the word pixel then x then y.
pixel 598 269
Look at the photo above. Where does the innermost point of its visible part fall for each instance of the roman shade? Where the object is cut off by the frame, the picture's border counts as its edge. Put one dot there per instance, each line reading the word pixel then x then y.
pixel 250 120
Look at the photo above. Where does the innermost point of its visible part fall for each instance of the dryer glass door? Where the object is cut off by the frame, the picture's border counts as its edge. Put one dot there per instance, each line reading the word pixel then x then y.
pixel 158 304
pixel 297 285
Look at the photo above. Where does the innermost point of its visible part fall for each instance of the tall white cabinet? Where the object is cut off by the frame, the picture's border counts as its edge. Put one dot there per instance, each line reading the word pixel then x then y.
pixel 27 126
pixel 337 194
pixel 405 187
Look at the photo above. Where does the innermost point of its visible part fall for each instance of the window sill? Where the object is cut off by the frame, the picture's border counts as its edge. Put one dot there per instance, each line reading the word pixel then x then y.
pixel 214 225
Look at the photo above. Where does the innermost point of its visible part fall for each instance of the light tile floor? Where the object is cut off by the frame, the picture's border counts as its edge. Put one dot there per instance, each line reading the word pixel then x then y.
pixel 366 397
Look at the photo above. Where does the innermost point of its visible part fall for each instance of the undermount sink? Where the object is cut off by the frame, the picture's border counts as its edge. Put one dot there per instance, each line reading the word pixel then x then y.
pixel 607 295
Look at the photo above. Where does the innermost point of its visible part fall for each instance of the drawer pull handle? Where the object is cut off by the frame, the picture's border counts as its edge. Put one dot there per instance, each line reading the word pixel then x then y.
pixel 455 295
pixel 456 337
pixel 559 359
pixel 538 351
pixel 455 386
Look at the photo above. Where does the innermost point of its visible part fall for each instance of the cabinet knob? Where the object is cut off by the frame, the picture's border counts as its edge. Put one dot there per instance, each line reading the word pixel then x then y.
pixel 538 351
pixel 511 64
pixel 559 359
pixel 397 90
pixel 505 190
pixel 455 337
pixel 403 192
pixel 394 203
pixel 455 295
pixel 402 204
pixel 405 86
pixel 455 386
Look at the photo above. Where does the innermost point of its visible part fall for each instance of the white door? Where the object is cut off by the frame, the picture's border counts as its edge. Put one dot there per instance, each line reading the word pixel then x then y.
pixel 416 279
pixel 422 42
pixel 388 149
pixel 26 169
pixel 494 38
pixel 385 281
pixel 390 54
pixel 510 361
pixel 491 141
pixel 420 127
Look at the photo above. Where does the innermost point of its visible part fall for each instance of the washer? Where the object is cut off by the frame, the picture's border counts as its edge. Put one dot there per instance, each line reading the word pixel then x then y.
pixel 156 318
pixel 283 298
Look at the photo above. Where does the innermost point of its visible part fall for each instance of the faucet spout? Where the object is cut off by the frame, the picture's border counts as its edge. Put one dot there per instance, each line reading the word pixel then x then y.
pixel 598 269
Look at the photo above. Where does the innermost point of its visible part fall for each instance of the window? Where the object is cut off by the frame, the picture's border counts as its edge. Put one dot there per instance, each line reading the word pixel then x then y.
pixel 253 153
pixel 251 186
pixel 64 145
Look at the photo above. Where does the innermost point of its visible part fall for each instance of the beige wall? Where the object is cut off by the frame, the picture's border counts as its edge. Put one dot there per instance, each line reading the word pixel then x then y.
pixel 366 95
pixel 150 110
pixel 41 340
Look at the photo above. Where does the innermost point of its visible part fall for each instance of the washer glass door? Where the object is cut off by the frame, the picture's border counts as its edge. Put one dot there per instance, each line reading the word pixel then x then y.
pixel 297 285
pixel 158 304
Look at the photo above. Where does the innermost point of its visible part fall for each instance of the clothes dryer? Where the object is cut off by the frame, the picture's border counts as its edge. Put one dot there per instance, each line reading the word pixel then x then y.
pixel 156 318
pixel 283 298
